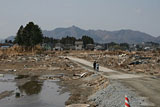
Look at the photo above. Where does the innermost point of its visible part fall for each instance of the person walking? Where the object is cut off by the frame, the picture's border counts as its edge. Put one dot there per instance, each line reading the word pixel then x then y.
pixel 97 66
pixel 94 65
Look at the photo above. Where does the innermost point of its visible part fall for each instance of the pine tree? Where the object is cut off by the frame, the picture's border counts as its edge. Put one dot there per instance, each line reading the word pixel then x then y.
pixel 29 36
pixel 19 37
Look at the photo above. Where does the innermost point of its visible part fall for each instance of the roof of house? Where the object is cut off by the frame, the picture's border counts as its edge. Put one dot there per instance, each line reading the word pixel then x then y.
pixel 78 42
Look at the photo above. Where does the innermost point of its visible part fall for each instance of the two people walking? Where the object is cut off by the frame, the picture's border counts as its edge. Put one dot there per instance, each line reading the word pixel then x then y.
pixel 96 66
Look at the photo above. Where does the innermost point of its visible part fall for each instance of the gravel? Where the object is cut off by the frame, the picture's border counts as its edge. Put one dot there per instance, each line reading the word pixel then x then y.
pixel 114 96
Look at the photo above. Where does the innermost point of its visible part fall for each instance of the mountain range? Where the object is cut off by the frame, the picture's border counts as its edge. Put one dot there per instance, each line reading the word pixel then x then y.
pixel 8 38
pixel 101 36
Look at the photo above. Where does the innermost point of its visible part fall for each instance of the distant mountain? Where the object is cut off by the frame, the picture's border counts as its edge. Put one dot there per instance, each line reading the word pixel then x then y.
pixel 8 38
pixel 102 36
pixel 158 39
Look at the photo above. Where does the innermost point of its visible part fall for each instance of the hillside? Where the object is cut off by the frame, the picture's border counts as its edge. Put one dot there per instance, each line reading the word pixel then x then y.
pixel 158 39
pixel 102 36
pixel 8 38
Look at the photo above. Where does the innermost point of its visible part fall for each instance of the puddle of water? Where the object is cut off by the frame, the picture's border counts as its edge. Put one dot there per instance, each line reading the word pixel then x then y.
pixel 7 86
pixel 36 94
pixel 6 83
pixel 7 77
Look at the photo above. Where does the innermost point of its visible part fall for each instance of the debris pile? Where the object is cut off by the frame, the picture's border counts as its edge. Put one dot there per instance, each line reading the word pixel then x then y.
pixel 131 62
pixel 53 66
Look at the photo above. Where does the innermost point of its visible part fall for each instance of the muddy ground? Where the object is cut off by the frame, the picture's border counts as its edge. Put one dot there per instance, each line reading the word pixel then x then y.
pixel 79 82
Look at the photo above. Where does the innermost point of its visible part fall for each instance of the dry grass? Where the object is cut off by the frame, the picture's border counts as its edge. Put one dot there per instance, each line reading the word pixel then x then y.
pixel 19 50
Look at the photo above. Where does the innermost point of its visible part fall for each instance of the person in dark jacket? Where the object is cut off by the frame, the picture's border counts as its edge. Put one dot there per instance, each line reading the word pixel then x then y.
pixel 94 65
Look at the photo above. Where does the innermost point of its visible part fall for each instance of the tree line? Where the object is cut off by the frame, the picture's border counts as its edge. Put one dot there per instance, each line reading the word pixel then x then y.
pixel 116 46
pixel 31 35
pixel 69 40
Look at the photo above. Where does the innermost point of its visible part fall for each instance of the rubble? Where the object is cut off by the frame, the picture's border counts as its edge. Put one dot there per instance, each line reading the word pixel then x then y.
pixel 73 78
pixel 53 67
pixel 80 75
pixel 5 94
pixel 135 63
pixel 147 62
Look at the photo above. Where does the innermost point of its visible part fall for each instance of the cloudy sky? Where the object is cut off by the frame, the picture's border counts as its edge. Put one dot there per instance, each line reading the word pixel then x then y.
pixel 141 15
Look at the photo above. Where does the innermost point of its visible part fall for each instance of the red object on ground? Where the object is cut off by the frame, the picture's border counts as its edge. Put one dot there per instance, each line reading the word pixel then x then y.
pixel 127 102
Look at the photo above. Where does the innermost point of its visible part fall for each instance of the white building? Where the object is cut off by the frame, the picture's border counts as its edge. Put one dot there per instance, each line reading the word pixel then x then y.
pixel 78 45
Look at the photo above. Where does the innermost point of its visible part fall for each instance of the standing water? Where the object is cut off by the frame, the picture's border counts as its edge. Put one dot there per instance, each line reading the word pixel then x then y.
pixel 32 93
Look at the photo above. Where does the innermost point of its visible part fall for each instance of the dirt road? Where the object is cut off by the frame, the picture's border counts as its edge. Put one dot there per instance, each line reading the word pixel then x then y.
pixel 146 87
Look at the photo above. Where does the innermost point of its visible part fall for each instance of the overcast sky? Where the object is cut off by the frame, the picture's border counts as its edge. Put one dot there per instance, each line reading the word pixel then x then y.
pixel 141 15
